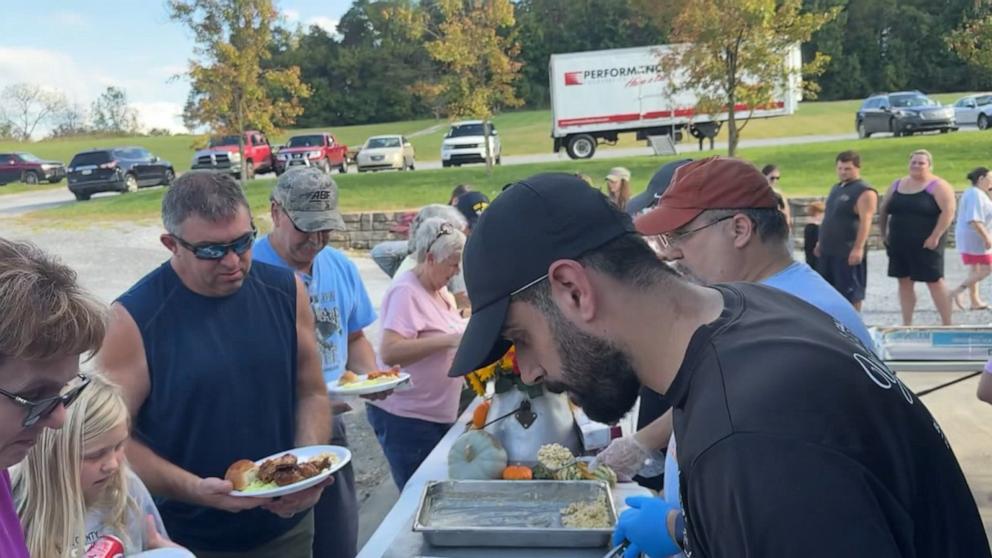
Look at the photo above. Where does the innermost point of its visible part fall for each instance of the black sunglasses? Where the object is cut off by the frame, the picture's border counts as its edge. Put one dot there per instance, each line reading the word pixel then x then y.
pixel 40 409
pixel 240 245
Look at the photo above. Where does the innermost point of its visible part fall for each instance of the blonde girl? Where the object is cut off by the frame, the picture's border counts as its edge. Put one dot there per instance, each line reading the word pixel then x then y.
pixel 75 486
pixel 618 187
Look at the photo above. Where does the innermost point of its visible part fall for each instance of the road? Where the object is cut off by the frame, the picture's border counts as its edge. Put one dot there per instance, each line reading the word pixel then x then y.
pixel 18 204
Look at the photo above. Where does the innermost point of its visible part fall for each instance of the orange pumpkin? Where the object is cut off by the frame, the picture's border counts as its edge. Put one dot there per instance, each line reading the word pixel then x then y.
pixel 479 415
pixel 517 472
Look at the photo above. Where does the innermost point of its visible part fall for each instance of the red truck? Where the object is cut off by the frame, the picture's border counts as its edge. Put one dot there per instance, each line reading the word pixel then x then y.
pixel 313 150
pixel 26 168
pixel 222 155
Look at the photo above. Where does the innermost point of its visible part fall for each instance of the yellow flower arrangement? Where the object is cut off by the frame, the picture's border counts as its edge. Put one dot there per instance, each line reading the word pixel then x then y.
pixel 506 374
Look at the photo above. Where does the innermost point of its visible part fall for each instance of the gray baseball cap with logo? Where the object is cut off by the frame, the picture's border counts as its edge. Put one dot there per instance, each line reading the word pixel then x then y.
pixel 310 197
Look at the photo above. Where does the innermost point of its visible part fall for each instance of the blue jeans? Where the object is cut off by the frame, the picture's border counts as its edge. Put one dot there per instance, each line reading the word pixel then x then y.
pixel 405 441
pixel 389 255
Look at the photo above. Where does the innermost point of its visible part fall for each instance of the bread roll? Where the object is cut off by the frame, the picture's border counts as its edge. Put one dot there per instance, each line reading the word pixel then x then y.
pixel 241 474
pixel 348 377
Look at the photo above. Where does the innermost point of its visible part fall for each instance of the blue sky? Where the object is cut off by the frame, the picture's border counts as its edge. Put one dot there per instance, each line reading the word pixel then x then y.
pixel 81 47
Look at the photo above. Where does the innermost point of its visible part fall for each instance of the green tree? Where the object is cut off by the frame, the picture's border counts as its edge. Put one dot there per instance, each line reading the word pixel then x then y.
pixel 887 45
pixel 970 42
pixel 735 53
pixel 361 76
pixel 472 43
pixel 580 25
pixel 112 114
pixel 230 92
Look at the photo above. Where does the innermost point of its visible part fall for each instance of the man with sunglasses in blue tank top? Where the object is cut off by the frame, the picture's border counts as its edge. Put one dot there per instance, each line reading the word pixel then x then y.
pixel 304 214
pixel 218 362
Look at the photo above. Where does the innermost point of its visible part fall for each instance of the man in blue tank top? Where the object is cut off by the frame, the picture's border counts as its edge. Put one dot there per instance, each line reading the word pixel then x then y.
pixel 304 213
pixel 218 362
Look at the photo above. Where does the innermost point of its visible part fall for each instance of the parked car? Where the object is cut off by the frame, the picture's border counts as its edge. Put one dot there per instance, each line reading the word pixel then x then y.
pixel 26 168
pixel 119 169
pixel 386 152
pixel 974 109
pixel 465 143
pixel 313 150
pixel 222 154
pixel 903 113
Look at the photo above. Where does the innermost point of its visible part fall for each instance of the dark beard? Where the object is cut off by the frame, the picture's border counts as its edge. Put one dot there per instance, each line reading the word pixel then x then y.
pixel 688 275
pixel 598 376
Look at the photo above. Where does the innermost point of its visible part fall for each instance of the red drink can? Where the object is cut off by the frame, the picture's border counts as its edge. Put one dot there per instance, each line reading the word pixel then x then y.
pixel 107 546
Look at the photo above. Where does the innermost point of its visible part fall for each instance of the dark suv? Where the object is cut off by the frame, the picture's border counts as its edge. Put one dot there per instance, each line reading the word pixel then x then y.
pixel 119 169
pixel 903 113
pixel 26 168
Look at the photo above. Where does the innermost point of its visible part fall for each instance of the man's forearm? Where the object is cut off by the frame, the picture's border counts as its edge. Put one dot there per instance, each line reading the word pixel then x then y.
pixel 657 433
pixel 161 477
pixel 313 420
pixel 361 355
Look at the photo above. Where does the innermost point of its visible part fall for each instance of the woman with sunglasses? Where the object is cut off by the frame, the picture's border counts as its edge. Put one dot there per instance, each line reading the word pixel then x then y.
pixel 46 323
pixel 774 176
pixel 421 329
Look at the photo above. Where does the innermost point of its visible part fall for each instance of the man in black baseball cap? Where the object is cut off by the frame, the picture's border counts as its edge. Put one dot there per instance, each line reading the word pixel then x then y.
pixel 775 404
pixel 471 205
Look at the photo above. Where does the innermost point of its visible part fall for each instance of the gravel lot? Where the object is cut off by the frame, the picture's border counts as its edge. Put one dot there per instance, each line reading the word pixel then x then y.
pixel 110 259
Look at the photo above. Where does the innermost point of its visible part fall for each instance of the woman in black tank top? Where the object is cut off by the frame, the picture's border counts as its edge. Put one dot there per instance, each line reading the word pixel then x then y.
pixel 915 215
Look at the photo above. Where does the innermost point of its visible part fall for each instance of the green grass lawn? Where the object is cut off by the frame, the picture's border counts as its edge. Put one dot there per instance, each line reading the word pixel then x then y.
pixel 807 170
pixel 523 132
pixel 18 188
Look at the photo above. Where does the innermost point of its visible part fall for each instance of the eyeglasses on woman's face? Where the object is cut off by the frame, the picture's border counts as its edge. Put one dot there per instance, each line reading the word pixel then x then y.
pixel 41 408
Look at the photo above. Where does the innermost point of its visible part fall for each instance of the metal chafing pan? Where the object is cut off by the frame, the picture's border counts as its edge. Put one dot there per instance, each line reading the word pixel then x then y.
pixel 509 513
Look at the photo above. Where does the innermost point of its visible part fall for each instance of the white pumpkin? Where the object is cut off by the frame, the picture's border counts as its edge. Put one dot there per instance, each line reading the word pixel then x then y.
pixel 476 455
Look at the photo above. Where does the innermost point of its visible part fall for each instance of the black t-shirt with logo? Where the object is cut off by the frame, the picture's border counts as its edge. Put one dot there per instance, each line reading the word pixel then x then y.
pixel 794 440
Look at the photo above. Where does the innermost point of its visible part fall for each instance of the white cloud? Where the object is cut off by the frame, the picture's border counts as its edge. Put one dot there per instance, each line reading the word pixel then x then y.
pixel 291 15
pixel 161 114
pixel 63 18
pixel 327 24
pixel 157 101
pixel 60 72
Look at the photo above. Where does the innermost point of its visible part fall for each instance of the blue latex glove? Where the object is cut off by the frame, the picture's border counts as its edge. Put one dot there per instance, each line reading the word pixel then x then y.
pixel 645 525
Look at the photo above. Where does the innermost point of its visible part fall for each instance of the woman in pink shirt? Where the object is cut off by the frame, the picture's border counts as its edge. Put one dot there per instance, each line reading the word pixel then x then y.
pixel 46 322
pixel 421 329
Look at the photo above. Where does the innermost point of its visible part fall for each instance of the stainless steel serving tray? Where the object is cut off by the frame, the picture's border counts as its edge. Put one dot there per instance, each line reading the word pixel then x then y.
pixel 509 513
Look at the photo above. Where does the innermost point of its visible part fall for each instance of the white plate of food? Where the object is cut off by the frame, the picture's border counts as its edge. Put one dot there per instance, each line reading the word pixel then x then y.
pixel 286 472
pixel 364 384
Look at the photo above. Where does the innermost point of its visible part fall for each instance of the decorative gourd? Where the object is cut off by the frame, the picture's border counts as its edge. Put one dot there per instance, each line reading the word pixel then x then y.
pixel 580 471
pixel 480 414
pixel 601 472
pixel 569 472
pixel 476 455
pixel 541 472
pixel 517 472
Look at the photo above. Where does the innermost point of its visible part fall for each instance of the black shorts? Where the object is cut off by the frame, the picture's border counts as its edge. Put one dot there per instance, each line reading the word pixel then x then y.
pixel 850 281
pixel 919 264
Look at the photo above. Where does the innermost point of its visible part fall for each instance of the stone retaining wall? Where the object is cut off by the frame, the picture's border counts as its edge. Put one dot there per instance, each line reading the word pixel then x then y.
pixel 367 229
pixel 799 221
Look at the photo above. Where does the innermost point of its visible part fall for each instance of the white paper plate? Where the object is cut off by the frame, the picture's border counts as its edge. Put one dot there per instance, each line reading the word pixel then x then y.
pixel 343 456
pixel 358 388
